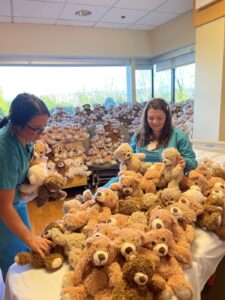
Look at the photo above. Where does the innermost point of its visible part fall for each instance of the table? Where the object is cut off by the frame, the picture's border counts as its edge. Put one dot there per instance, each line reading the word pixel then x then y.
pixel 24 283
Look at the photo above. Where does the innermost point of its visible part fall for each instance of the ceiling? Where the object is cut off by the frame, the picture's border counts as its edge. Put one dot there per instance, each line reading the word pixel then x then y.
pixel 118 14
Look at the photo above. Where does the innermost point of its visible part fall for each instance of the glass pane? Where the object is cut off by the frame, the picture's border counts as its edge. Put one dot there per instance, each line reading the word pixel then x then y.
pixel 143 85
pixel 185 83
pixel 64 86
pixel 162 84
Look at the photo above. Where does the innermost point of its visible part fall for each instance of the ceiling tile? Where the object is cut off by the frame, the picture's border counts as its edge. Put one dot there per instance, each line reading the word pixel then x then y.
pixel 75 23
pixel 141 27
pixel 115 15
pixel 33 20
pixel 69 12
pixel 5 8
pixel 36 9
pixel 176 6
pixel 112 25
pixel 140 4
pixel 94 2
pixel 157 18
pixel 5 19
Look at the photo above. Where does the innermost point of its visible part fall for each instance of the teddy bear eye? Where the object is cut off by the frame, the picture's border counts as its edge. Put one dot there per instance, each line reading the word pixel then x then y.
pixel 153 243
pixel 163 239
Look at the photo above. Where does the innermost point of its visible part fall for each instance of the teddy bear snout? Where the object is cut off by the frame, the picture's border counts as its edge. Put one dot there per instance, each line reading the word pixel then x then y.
pixel 127 248
pixel 176 212
pixel 127 191
pixel 161 249
pixel 140 278
pixel 100 258
pixel 157 224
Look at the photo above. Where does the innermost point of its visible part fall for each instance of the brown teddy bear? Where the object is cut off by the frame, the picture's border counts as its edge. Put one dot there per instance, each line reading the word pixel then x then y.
pixel 51 261
pixel 196 178
pixel 129 160
pixel 160 242
pixel 169 195
pixel 151 178
pixel 172 172
pixel 97 261
pixel 51 189
pixel 137 281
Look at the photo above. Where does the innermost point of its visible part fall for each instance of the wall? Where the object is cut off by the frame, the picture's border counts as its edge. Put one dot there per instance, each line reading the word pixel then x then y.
pixel 209 122
pixel 32 39
pixel 173 35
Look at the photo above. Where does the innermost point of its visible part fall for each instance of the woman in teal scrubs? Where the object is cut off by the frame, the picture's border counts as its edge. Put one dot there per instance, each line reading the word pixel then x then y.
pixel 27 119
pixel 157 133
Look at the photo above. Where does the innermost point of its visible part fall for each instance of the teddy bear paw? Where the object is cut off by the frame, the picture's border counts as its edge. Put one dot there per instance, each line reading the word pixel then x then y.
pixel 183 293
pixel 57 262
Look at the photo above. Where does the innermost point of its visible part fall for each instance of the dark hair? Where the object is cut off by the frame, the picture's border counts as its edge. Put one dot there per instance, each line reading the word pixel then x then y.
pixel 145 131
pixel 23 108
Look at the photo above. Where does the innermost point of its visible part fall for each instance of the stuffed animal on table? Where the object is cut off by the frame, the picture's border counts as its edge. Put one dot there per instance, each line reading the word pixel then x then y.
pixel 50 262
pixel 172 171
pixel 160 242
pixel 129 160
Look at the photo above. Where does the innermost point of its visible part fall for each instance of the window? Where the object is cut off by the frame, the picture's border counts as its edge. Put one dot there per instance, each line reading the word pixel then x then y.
pixel 162 84
pixel 184 82
pixel 143 85
pixel 67 86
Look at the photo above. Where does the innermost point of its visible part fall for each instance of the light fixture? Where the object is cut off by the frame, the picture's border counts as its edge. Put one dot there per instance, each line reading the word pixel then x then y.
pixel 83 13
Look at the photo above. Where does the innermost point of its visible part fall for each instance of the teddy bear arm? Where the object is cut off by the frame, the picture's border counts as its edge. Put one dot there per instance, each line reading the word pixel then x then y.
pixel 208 208
pixel 115 274
pixel 57 236
pixel 71 292
pixel 190 233
pixel 77 220
pixel 158 283
pixel 115 186
pixel 182 255
pixel 140 156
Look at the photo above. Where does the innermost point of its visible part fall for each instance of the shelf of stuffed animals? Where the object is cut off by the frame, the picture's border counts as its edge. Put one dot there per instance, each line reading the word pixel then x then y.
pixel 76 181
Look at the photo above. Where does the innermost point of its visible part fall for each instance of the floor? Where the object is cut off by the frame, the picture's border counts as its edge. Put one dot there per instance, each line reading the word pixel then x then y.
pixel 52 211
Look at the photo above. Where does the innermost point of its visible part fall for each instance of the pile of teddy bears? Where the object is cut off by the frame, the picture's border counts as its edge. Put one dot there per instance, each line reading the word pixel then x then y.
pixel 133 240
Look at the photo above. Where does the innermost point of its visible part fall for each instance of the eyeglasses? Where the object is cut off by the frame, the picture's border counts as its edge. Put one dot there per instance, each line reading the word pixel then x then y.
pixel 35 130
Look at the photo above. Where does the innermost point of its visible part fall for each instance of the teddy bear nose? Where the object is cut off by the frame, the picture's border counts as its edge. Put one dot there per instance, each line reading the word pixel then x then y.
pixel 158 226
pixel 175 210
pixel 101 256
pixel 126 191
pixel 162 250
pixel 142 279
pixel 128 250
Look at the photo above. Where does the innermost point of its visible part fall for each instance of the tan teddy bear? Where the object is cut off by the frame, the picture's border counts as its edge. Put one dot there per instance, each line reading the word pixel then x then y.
pixel 172 172
pixel 169 195
pixel 151 178
pixel 129 160
pixel 161 243
pixel 97 261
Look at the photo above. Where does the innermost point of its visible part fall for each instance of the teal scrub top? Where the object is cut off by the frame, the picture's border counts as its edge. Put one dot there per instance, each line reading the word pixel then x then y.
pixel 14 164
pixel 179 140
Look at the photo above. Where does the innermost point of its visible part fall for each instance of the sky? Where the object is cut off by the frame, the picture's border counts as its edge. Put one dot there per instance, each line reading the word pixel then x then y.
pixel 54 80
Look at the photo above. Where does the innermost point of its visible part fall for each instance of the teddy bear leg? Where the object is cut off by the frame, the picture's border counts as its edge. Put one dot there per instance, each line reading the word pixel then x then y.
pixel 74 293
pixel 23 258
pixel 166 294
pixel 53 261
pixel 104 295
pixel 68 279
pixel 181 287
pixel 62 195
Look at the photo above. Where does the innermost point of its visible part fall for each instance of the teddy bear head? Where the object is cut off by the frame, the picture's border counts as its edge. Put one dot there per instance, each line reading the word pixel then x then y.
pixel 198 179
pixel 128 240
pixel 118 220
pixel 100 249
pixel 160 241
pixel 162 218
pixel 137 270
pixel 123 152
pixel 106 197
pixel 182 213
pixel 169 195
pixel 170 156
pixel 37 174
pixel 129 184
pixel 192 203
pixel 40 149
pixel 55 182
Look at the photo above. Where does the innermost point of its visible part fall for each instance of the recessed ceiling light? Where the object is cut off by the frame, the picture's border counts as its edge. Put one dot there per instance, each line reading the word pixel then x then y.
pixel 123 17
pixel 83 13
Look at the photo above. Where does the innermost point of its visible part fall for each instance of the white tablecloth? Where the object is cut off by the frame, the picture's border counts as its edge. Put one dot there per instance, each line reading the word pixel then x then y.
pixel 24 283
pixel 2 286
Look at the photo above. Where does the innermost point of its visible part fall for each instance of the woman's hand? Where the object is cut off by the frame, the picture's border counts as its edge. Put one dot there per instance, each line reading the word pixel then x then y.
pixel 40 245
pixel 181 162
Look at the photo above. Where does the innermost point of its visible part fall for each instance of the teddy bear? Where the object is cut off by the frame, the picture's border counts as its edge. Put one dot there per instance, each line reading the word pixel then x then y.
pixel 96 261
pixel 192 203
pixel 213 205
pixel 51 189
pixel 151 178
pixel 196 193
pixel 61 166
pixel 196 178
pixel 41 149
pixel 36 176
pixel 161 244
pixel 129 160
pixel 137 283
pixel 172 171
pixel 50 262
pixel 162 218
pixel 186 218
pixel 169 195
pixel 87 217
pixel 72 243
